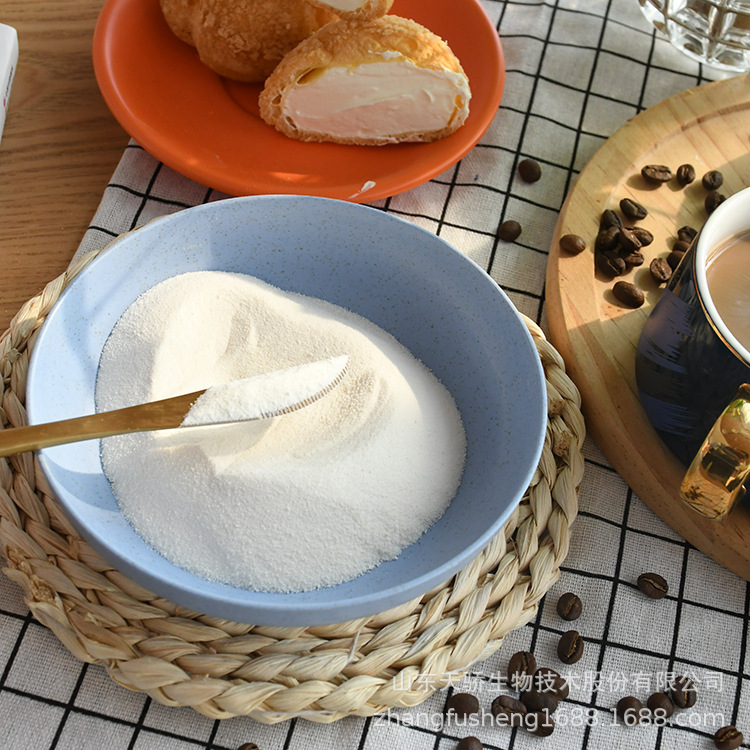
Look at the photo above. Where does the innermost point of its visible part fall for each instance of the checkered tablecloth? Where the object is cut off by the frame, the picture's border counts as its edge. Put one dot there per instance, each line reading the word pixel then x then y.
pixel 576 72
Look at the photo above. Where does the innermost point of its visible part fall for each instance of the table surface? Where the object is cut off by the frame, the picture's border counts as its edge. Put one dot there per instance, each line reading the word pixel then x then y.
pixel 70 180
pixel 59 147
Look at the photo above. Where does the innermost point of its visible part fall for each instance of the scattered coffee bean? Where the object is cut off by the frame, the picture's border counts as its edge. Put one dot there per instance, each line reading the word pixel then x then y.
pixel 674 258
pixel 570 645
pixel 508 711
pixel 685 174
pixel 681 246
pixel 248 746
pixel 629 294
pixel 530 170
pixel 660 702
pixel 629 240
pixel 469 743
pixel 683 692
pixel 633 260
pixel 547 680
pixel 632 209
pixel 712 180
pixel 541 724
pixel 728 738
pixel 656 173
pixel 610 265
pixel 509 231
pixel 572 243
pixel 653 585
pixel 609 219
pixel 569 606
pixel 536 700
pixel 687 233
pixel 608 239
pixel 462 705
pixel 629 710
pixel 660 270
pixel 713 201
pixel 644 236
pixel 521 667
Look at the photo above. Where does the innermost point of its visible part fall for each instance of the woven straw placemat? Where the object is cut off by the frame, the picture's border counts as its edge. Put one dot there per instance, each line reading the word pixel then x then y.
pixel 182 658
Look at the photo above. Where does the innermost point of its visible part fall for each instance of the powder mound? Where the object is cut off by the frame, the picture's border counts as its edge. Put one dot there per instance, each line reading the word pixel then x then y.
pixel 309 499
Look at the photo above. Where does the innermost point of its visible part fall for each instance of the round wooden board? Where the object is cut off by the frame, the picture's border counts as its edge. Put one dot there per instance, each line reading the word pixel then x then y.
pixel 708 127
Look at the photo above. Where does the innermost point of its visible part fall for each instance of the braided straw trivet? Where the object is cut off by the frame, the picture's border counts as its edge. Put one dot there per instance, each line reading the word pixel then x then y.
pixel 181 658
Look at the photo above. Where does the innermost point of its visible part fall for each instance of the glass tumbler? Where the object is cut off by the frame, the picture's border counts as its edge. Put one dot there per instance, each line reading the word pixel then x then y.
pixel 714 32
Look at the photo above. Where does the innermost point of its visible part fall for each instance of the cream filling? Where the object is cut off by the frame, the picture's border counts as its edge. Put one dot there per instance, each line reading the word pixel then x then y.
pixel 387 100
pixel 344 5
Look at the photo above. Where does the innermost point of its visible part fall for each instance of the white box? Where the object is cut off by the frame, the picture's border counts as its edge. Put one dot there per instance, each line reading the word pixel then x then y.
pixel 8 64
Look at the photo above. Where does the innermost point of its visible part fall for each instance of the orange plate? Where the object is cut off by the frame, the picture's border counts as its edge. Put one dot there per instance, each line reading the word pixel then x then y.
pixel 209 128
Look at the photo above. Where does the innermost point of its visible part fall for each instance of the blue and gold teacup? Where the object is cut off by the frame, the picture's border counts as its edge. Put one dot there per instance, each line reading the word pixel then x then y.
pixel 692 370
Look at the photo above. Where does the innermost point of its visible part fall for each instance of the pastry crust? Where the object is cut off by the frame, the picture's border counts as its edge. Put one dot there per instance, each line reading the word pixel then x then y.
pixel 352 43
pixel 364 8
pixel 179 17
pixel 243 39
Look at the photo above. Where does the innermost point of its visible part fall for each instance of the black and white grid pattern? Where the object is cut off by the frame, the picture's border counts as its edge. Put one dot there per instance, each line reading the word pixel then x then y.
pixel 576 71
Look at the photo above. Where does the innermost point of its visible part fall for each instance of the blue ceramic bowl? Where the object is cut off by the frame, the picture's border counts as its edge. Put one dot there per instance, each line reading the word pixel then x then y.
pixel 439 304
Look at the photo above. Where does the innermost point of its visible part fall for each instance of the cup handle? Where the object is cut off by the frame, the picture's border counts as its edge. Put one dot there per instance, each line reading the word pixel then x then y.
pixel 713 482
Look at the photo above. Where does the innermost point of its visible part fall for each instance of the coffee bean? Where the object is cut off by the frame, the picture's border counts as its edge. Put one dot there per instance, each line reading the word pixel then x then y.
pixel 509 231
pixel 248 746
pixel 633 260
pixel 653 585
pixel 469 743
pixel 687 233
pixel 540 723
pixel 644 236
pixel 629 294
pixel 685 174
pixel 713 201
pixel 660 270
pixel 660 702
pixel 530 170
pixel 521 667
pixel 712 180
pixel 508 711
pixel 674 258
pixel 462 705
pixel 609 265
pixel 609 219
pixel 728 738
pixel 629 240
pixel 572 243
pixel 608 239
pixel 536 700
pixel 569 606
pixel 570 645
pixel 629 710
pixel 681 246
pixel 632 209
pixel 656 173
pixel 546 680
pixel 683 692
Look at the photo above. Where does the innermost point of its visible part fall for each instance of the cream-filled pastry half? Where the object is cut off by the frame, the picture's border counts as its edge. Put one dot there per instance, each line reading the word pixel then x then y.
pixel 384 80
pixel 355 8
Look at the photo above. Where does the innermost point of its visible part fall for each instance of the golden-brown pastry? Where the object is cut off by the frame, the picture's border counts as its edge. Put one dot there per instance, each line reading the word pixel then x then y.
pixel 384 80
pixel 243 39
pixel 179 17
pixel 355 8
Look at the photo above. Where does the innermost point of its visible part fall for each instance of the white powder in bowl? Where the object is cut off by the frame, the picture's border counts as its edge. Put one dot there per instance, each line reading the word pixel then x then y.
pixel 308 499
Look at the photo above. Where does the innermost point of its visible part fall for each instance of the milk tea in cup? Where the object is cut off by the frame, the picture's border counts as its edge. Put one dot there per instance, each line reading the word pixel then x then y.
pixel 728 278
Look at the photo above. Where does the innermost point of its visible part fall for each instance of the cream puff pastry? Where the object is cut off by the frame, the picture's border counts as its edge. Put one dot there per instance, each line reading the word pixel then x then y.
pixel 368 82
pixel 243 40
pixel 355 8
